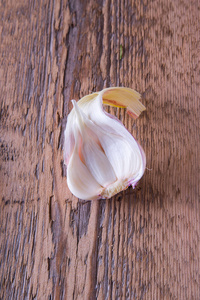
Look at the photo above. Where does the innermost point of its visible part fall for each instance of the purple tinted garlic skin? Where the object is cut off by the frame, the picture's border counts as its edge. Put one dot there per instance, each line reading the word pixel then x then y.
pixel 101 156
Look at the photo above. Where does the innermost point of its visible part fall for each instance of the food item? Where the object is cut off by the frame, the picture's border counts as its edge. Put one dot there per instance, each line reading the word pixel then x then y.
pixel 102 157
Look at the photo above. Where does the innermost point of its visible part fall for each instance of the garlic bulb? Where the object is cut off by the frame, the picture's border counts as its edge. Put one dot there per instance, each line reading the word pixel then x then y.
pixel 102 157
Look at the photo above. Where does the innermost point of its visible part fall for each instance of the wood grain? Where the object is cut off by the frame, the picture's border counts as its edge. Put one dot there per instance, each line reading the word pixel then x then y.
pixel 142 243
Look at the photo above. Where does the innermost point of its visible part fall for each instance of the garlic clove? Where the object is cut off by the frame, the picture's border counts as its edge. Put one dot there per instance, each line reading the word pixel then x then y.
pixel 102 157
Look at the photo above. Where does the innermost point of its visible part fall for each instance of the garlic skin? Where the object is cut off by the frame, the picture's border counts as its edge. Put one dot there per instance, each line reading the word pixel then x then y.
pixel 102 157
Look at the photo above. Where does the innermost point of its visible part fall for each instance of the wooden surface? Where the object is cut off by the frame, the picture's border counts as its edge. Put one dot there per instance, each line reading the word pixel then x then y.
pixel 143 243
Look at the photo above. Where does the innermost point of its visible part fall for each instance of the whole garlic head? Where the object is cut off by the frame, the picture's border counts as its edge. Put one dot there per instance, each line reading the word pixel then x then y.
pixel 102 157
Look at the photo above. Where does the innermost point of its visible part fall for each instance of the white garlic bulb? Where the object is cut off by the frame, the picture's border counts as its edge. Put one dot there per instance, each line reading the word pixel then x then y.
pixel 102 157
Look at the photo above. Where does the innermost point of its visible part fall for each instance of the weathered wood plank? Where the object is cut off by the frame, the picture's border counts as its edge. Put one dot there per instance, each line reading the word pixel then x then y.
pixel 142 243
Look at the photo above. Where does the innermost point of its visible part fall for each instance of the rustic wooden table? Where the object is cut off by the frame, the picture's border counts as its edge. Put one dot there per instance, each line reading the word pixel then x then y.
pixel 143 243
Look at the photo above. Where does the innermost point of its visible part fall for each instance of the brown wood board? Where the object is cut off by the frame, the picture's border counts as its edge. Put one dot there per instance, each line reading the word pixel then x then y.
pixel 142 243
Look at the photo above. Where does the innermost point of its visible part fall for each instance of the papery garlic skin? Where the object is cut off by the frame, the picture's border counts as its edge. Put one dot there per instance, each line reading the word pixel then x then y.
pixel 102 157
